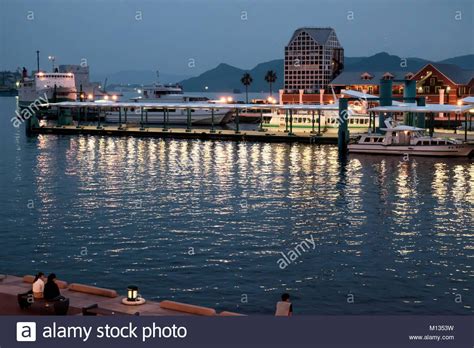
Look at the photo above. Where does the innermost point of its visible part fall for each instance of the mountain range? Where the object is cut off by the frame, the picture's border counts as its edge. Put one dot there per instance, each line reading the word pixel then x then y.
pixel 226 78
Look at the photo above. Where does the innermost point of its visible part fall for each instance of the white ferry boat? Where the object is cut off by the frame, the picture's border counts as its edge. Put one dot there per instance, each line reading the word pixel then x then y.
pixel 53 86
pixel 402 140
pixel 172 94
pixel 302 121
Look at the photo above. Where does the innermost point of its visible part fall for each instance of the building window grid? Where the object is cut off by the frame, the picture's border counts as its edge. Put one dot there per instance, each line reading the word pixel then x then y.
pixel 314 68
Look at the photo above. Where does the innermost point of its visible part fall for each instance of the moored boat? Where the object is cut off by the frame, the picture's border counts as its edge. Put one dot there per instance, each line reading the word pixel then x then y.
pixel 172 94
pixel 408 140
pixel 52 86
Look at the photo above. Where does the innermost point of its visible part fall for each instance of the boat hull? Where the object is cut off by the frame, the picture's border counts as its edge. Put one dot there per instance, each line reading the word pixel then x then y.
pixel 458 150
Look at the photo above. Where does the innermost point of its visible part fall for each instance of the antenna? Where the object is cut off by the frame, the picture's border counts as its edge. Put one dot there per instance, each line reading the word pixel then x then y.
pixel 157 76
pixel 37 61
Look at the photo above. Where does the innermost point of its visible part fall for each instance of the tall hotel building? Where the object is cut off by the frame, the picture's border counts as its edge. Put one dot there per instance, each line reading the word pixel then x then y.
pixel 313 58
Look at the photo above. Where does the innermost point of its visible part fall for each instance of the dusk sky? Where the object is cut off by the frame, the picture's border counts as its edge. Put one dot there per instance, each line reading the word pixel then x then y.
pixel 111 36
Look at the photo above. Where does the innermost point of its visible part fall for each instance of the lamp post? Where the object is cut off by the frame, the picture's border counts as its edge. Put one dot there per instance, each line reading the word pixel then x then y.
pixel 132 293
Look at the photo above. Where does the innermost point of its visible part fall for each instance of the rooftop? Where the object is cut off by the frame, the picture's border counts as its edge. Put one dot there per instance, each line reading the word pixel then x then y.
pixel 366 77
pixel 320 35
pixel 453 72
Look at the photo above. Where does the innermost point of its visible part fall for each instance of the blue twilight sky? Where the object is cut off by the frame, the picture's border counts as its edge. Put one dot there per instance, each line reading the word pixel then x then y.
pixel 170 33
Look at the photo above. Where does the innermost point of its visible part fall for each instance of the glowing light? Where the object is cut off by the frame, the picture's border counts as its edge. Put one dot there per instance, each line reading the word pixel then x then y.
pixel 331 101
pixel 139 91
pixel 459 102
pixel 114 97
pixel 271 100
pixel 230 99
pixel 106 97
pixel 90 96
pixel 206 88
pixel 222 100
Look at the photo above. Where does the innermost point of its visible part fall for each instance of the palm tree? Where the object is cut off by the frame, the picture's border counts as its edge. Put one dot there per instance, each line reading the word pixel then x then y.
pixel 270 77
pixel 246 81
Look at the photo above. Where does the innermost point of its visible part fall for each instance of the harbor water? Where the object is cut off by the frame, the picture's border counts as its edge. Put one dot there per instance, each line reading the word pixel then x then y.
pixel 209 223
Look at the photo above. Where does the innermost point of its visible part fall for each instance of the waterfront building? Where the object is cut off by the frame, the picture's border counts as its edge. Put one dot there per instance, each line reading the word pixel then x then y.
pixel 81 75
pixel 439 83
pixel 444 83
pixel 313 57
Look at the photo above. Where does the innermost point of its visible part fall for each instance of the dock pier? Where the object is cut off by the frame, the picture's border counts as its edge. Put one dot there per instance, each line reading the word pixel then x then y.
pixel 184 133
pixel 410 105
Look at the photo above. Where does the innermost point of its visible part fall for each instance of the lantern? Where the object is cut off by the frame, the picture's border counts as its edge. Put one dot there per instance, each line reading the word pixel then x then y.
pixel 132 293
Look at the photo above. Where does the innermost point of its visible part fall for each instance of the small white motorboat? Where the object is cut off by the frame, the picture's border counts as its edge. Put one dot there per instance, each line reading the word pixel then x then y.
pixel 407 140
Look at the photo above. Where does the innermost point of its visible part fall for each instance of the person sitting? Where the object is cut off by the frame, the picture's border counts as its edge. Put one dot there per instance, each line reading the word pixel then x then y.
pixel 51 289
pixel 38 286
pixel 284 308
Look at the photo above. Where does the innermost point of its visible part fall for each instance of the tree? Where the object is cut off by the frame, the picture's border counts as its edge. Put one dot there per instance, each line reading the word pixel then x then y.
pixel 270 77
pixel 246 81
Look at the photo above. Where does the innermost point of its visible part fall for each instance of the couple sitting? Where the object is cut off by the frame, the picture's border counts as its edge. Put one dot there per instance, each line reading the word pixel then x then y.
pixel 49 291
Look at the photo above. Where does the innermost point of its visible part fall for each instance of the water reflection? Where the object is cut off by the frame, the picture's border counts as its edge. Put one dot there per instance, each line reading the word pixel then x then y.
pixel 206 221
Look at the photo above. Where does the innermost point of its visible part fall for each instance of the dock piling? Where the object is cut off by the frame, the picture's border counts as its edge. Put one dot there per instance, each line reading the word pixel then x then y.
pixel 237 128
pixel 213 129
pixel 165 119
pixel 420 117
pixel 98 121
pixel 188 120
pixel 291 123
pixel 141 119
pixel 120 118
pixel 385 99
pixel 343 132
pixel 319 122
pixel 78 118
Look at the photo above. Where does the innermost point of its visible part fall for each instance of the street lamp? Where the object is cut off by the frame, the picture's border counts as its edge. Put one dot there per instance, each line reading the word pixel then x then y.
pixel 52 59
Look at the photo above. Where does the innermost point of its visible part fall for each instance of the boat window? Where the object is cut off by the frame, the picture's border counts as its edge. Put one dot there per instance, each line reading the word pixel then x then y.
pixel 441 142
pixel 366 140
pixel 426 142
pixel 379 140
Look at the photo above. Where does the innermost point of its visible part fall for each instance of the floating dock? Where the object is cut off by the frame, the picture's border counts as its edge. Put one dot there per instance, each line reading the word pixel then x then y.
pixel 182 133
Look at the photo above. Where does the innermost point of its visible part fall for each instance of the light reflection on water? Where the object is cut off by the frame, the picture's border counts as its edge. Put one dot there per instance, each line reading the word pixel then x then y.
pixel 205 222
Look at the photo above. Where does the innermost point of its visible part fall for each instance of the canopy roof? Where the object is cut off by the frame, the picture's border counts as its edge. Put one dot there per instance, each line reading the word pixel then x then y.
pixel 193 105
pixel 402 127
pixel 436 108
pixel 363 96
pixel 468 100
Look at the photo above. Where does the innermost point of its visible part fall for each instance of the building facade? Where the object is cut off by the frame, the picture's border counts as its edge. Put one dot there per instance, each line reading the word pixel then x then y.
pixel 313 57
pixel 439 83
pixel 81 74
